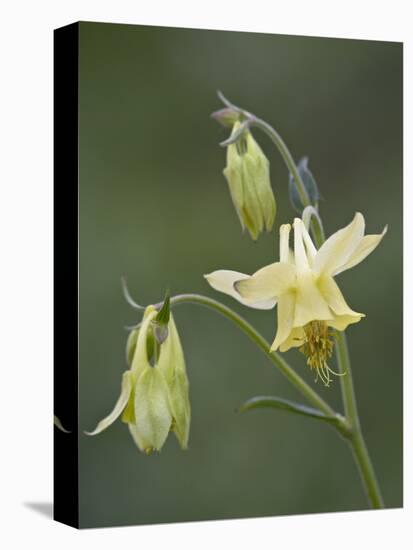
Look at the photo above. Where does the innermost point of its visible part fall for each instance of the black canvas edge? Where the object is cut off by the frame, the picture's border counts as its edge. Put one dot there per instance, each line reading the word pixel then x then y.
pixel 66 286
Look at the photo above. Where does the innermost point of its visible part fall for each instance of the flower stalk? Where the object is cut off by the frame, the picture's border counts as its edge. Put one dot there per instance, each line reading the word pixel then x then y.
pixel 355 435
pixel 250 121
pixel 356 439
pixel 348 426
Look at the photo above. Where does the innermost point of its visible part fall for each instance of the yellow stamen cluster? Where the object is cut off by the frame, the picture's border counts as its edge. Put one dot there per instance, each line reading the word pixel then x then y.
pixel 318 348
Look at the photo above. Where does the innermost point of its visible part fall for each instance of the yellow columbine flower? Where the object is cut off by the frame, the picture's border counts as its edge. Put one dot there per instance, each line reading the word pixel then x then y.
pixel 154 398
pixel 302 284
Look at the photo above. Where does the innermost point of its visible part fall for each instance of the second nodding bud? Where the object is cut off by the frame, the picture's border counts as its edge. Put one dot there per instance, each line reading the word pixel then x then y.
pixel 310 187
pixel 248 176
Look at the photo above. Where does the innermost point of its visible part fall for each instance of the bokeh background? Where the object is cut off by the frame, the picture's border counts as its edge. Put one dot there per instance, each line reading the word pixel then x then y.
pixel 154 206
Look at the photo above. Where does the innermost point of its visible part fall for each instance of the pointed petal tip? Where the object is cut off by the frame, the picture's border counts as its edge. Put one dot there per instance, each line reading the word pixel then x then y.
pixel 359 216
pixel 183 445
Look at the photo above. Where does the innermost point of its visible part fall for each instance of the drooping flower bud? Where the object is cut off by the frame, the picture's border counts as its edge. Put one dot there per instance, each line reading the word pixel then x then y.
pixel 154 398
pixel 248 176
pixel 310 186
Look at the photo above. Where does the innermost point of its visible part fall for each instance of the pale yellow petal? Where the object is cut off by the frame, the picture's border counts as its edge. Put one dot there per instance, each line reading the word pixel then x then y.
pixel 310 303
pixel 233 175
pixel 285 316
pixel 341 322
pixel 365 247
pixel 257 170
pixel 338 248
pixel 335 299
pixel 152 407
pixel 138 439
pixel 140 357
pixel 171 355
pixel 309 246
pixel 284 242
pixel 294 340
pixel 252 214
pixel 300 255
pixel 267 283
pixel 181 407
pixel 172 364
pixel 223 280
pixel 118 408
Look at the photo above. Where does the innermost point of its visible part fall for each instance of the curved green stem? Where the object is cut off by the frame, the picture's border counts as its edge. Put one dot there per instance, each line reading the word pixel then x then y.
pixel 302 386
pixel 355 438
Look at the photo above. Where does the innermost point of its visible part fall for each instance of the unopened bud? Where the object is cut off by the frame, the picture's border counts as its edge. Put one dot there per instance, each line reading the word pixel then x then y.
pixel 310 186
pixel 248 176
pixel 154 398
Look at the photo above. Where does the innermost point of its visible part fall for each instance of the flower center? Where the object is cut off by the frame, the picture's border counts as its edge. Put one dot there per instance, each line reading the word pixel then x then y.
pixel 318 348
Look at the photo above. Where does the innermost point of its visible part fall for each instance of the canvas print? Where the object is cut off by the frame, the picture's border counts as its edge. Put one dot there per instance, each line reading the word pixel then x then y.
pixel 235 202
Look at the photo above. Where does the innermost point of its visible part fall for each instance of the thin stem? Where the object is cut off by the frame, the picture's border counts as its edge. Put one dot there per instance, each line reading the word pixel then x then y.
pixel 358 445
pixel 347 385
pixel 356 438
pixel 262 343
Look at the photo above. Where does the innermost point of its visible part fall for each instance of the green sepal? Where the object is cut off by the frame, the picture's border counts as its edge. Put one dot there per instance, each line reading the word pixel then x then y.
pixel 181 408
pixel 265 402
pixel 164 313
pixel 257 170
pixel 152 407
pixel 162 319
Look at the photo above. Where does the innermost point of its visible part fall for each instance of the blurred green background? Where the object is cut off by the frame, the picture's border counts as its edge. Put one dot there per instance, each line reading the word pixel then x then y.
pixel 154 206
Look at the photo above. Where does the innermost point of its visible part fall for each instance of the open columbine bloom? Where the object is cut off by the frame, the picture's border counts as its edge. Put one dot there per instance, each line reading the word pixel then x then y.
pixel 154 398
pixel 302 285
